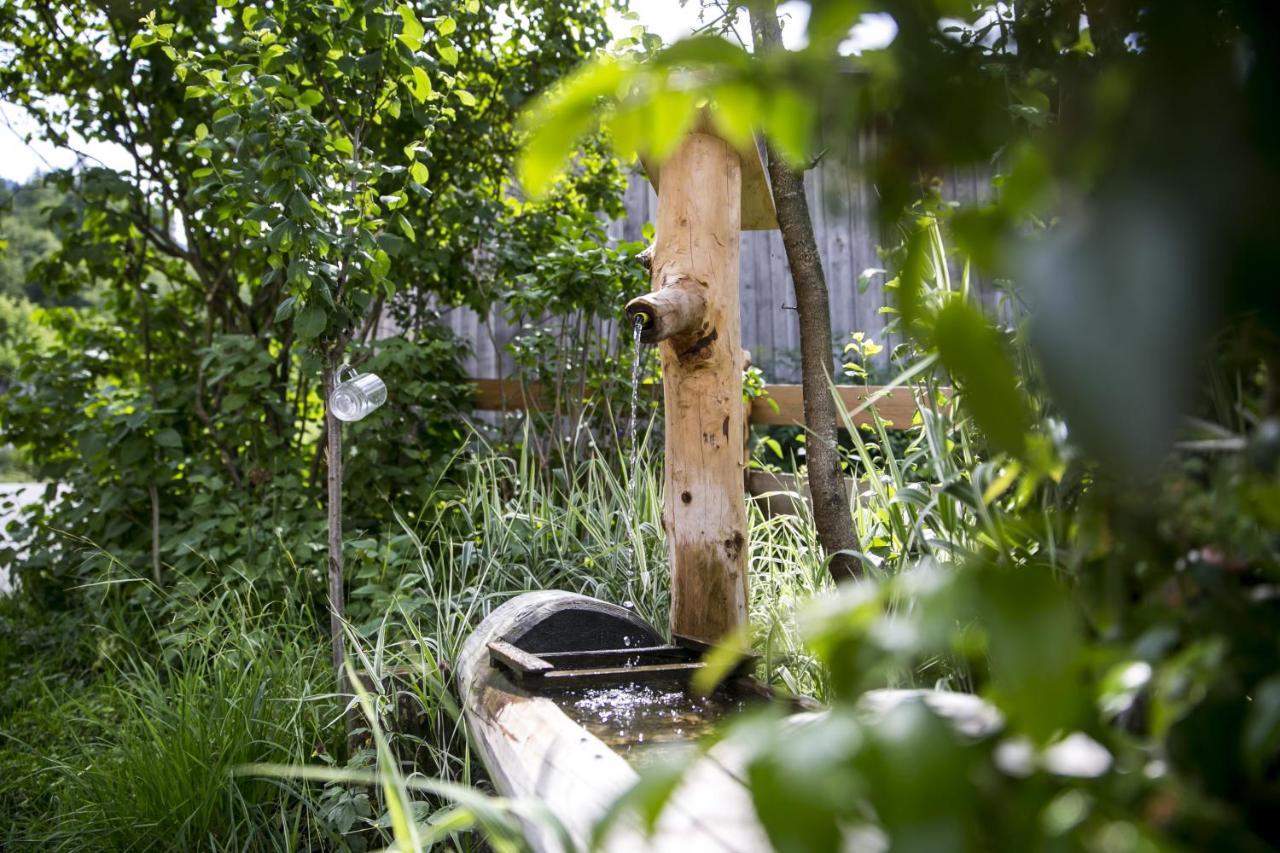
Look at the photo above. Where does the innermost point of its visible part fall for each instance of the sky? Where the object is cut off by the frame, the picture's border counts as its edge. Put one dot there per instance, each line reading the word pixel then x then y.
pixel 20 158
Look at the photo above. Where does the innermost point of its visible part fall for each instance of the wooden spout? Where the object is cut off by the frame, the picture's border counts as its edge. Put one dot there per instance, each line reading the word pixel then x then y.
pixel 694 312
pixel 675 309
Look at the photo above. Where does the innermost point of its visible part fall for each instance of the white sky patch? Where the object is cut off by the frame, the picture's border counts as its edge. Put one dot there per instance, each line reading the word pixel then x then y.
pixel 874 31
pixel 989 18
pixel 672 21
pixel 20 159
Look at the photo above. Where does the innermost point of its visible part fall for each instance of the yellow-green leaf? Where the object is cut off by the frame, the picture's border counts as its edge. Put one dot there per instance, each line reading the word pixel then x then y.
pixel 1000 484
pixel 466 97
pixel 448 53
pixel 737 112
pixel 412 31
pixel 419 173
pixel 406 227
pixel 421 85
pixel 446 25
pixel 559 118
pixel 789 121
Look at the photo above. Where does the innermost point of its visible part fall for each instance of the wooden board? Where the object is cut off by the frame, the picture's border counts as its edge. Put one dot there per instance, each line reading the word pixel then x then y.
pixel 757 208
pixel 898 406
pixel 516 660
pixel 778 493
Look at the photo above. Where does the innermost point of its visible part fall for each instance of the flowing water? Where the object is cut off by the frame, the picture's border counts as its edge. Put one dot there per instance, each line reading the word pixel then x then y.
pixel 645 723
pixel 636 359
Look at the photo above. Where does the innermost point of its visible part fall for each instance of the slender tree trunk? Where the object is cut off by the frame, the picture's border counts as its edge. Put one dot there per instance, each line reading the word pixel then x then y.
pixel 155 532
pixel 337 606
pixel 826 482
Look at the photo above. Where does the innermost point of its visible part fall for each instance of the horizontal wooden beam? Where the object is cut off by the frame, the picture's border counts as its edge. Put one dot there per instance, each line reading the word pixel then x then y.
pixel 897 406
pixel 518 661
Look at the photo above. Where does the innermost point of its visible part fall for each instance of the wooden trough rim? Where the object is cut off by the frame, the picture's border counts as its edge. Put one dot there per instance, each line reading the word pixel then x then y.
pixel 534 751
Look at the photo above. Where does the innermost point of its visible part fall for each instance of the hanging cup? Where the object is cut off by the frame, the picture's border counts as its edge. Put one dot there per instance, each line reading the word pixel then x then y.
pixel 356 396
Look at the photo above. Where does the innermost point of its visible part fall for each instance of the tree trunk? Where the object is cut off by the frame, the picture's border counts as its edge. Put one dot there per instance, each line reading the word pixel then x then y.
pixel 830 501
pixel 337 606
pixel 155 532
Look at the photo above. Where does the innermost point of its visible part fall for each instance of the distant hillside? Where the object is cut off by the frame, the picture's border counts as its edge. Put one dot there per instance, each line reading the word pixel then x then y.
pixel 25 238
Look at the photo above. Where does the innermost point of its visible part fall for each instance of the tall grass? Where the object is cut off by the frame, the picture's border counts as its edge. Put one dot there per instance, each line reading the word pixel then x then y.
pixel 149 765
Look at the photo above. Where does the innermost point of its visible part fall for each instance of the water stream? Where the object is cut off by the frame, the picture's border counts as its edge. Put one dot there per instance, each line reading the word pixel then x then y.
pixel 636 360
pixel 645 723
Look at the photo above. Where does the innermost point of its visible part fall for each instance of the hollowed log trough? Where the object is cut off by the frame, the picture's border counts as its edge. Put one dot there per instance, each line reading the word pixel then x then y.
pixel 541 642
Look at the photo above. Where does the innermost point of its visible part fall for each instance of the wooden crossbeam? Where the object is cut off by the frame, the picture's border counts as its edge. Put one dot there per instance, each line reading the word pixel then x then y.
pixel 897 406
pixel 518 661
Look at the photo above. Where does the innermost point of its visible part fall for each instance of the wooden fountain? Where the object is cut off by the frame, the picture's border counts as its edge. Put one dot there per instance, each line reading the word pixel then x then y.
pixel 540 644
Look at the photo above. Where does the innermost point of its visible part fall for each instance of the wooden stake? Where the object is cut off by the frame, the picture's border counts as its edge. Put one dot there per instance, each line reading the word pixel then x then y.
pixel 694 311
pixel 337 597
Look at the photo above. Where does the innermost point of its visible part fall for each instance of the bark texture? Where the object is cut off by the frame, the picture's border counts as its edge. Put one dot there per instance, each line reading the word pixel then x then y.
pixel 696 310
pixel 337 599
pixel 831 512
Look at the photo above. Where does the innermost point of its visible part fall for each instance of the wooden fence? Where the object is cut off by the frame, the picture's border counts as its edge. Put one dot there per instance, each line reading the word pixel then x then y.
pixel 843 207
pixel 782 405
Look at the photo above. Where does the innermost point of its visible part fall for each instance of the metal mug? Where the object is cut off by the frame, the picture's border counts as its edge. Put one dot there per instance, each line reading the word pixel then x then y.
pixel 356 396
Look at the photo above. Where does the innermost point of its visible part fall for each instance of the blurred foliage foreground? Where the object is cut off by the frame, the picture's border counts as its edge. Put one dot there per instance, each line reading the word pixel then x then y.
pixel 1087 538
pixel 1118 583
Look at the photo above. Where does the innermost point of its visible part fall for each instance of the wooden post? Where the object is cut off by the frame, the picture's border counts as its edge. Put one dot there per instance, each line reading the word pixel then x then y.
pixel 694 311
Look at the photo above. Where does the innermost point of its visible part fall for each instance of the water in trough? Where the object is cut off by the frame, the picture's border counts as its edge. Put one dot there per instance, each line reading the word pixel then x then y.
pixel 636 360
pixel 646 723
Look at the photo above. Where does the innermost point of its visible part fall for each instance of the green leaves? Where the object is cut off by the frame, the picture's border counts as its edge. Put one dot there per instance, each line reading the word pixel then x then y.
pixel 789 123
pixel 406 227
pixel 976 356
pixel 421 86
pixel 648 106
pixel 1026 624
pixel 310 322
pixel 285 309
pixel 411 30
pixel 381 264
pixel 168 437
pixel 562 116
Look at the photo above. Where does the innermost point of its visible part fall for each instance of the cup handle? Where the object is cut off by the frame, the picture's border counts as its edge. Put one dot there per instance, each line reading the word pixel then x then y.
pixel 347 368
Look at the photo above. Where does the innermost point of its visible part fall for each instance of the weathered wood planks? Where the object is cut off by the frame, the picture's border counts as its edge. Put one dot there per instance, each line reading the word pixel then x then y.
pixel 897 406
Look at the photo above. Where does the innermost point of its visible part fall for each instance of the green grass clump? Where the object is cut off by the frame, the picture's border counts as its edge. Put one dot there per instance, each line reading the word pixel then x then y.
pixel 144 759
